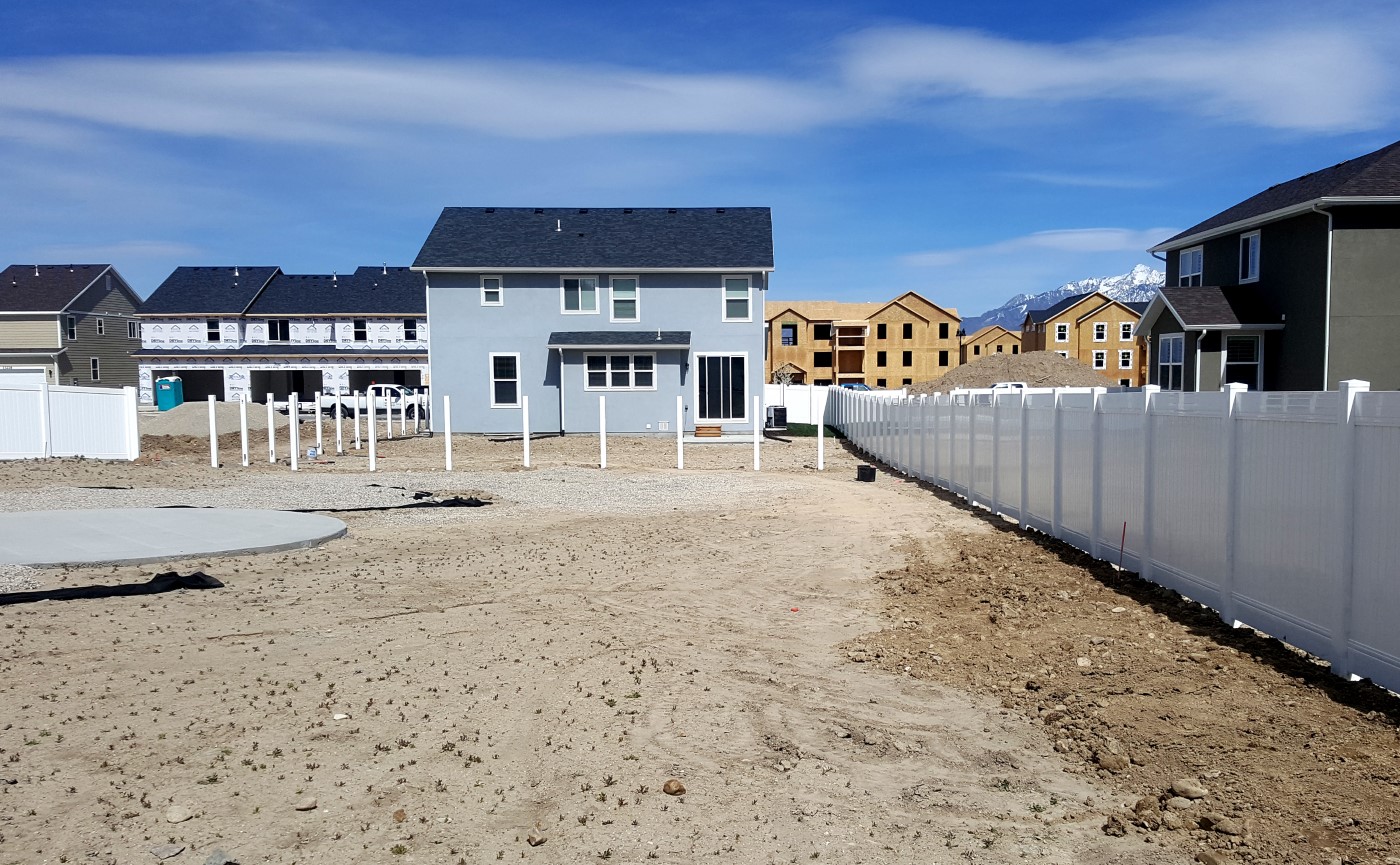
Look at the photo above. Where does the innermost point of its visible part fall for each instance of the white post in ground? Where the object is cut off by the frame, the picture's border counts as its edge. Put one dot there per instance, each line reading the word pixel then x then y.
pixel 525 430
pixel 356 395
pixel 339 427
pixel 213 436
pixel 447 429
pixel 243 426
pixel 271 432
pixel 403 415
pixel 680 431
pixel 821 445
pixel 602 431
pixel 294 413
pixel 371 431
pixel 757 429
pixel 388 413
pixel 320 440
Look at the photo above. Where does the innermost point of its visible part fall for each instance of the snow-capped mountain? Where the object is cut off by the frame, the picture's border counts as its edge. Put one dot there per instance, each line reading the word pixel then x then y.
pixel 1140 284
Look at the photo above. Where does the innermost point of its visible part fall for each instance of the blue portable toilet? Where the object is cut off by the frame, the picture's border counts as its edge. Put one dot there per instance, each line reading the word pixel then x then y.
pixel 170 392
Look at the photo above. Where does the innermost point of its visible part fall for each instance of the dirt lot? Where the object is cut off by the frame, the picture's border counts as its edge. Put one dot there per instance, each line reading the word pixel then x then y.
pixel 835 671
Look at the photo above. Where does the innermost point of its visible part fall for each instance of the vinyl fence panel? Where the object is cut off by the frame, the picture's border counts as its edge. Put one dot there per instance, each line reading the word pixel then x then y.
pixel 58 421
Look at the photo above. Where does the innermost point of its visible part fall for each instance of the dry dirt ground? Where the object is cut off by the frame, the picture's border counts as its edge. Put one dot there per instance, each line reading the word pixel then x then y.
pixel 835 671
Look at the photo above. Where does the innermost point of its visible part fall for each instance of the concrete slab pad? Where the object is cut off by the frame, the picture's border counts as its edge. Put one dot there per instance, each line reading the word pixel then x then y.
pixel 128 536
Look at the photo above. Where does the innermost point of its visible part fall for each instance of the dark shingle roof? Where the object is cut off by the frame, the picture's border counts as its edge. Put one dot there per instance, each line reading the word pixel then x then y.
pixel 1375 174
pixel 1137 306
pixel 1040 316
pixel 1210 306
pixel 55 286
pixel 619 338
pixel 278 349
pixel 207 291
pixel 369 290
pixel 611 238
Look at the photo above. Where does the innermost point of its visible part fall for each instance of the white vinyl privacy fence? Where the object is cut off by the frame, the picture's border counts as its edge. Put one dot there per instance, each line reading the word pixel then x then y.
pixel 1279 510
pixel 42 420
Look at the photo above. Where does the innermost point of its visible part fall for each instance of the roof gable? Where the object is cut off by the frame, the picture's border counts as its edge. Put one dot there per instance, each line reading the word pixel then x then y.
pixel 1111 302
pixel 208 291
pixel 914 296
pixel 611 238
pixel 1210 307
pixel 45 287
pixel 990 332
pixel 1040 316
pixel 830 310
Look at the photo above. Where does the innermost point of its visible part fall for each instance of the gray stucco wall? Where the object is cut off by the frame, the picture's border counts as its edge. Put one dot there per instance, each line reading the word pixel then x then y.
pixel 465 334
pixel 1365 314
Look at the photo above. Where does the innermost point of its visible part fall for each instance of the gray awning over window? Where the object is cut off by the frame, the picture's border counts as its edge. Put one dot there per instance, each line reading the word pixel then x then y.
pixel 619 339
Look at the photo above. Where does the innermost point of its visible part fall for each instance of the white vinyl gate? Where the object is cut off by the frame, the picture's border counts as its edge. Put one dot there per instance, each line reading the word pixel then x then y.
pixel 42 420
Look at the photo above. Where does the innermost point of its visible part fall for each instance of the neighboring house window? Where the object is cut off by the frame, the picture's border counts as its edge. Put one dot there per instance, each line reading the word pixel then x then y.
pixel 1015 349
pixel 1249 257
pixel 1125 382
pixel 101 326
pixel 578 294
pixel 943 358
pixel 879 331
pixel 999 348
pixel 908 381
pixel 72 327
pixel 1100 331
pixel 1062 353
pixel 133 330
pixel 976 351
pixel 75 381
pixel 943 330
pixel 96 364
pixel 821 332
pixel 880 356
pixel 1100 360
pixel 410 330
pixel 789 334
pixel 625 306
pixel 619 372
pixel 505 380
pixel 1125 331
pixel 879 382
pixel 1061 333
pixel 491 294
pixel 211 330
pixel 737 298
pixel 1242 361
pixel 907 358
pixel 821 358
pixel 1189 266
pixel 908 330
pixel 360 328
pixel 1125 359
pixel 722 386
pixel 1170 351
pixel 279 330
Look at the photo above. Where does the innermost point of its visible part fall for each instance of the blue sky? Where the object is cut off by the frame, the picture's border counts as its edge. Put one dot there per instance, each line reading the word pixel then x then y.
pixel 969 152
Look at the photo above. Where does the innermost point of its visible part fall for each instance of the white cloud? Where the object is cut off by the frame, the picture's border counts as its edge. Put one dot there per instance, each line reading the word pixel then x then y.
pixel 125 250
pixel 1089 181
pixel 1069 240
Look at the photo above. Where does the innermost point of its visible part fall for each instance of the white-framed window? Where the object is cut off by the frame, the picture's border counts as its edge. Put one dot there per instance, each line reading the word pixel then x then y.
pixel 505 379
pixel 789 333
pixel 619 372
pixel 722 387
pixel 1189 266
pixel 1061 333
pixel 360 330
pixel 626 305
pixel 1125 358
pixel 279 330
pixel 133 330
pixel 1125 331
pixel 101 326
pixel 1100 331
pixel 1100 359
pixel 578 295
pixel 72 325
pixel 95 367
pixel 1062 353
pixel 1249 257
pixel 211 330
pixel 491 291
pixel 738 299
pixel 1242 361
pixel 1171 351
pixel 410 330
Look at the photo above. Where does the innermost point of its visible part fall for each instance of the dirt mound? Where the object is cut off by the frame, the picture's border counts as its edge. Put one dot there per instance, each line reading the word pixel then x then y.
pixel 1036 368
pixel 192 419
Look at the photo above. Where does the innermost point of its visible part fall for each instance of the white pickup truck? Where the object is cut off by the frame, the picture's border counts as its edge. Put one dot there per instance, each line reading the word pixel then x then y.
pixel 387 397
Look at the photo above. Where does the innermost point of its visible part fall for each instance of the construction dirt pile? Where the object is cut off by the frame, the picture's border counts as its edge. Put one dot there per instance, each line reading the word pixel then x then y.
pixel 192 419
pixel 1036 369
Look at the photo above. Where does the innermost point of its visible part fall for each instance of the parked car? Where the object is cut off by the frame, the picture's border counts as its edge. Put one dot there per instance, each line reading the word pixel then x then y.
pixel 1010 385
pixel 387 397
pixel 856 386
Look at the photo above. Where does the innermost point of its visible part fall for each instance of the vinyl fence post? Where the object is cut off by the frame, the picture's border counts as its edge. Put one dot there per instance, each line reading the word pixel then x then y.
pixel 602 431
pixel 757 428
pixel 271 432
pixel 525 430
pixel 1230 447
pixel 132 419
pixel 339 426
pixel 357 419
pixel 243 427
pixel 1023 508
pixel 821 444
pixel 1057 473
pixel 1346 525
pixel 680 431
pixel 970 488
pixel 1149 522
pixel 320 440
pixel 294 412
pixel 45 436
pixel 403 414
pixel 447 431
pixel 996 453
pixel 372 433
pixel 923 437
pixel 213 435
pixel 1096 472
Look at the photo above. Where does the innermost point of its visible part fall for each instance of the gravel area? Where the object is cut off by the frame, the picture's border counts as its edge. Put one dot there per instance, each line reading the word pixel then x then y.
pixel 18 578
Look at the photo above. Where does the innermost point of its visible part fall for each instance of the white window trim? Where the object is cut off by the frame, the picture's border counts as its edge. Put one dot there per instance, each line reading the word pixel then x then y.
pixel 1129 353
pixel 637 298
pixel 1062 353
pixel 1125 331
pixel 95 368
pixel 597 300
pixel 1064 338
pixel 491 378
pixel 1162 342
pixel 101 326
pixel 1097 325
pixel 1183 275
pixel 1258 252
pixel 724 298
pixel 748 394
pixel 500 290
pixel 1259 355
pixel 1100 358
pixel 133 330
pixel 71 327
pixel 632 371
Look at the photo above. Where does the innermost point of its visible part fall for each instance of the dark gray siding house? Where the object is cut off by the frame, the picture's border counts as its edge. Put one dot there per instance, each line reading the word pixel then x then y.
pixel 1296 288
pixel 73 322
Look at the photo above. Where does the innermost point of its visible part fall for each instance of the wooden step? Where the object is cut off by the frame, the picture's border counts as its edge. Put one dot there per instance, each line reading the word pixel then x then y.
pixel 708 431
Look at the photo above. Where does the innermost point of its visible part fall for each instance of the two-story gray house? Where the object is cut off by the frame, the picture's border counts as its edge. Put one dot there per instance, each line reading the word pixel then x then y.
pixel 562 305
pixel 1295 288
pixel 70 324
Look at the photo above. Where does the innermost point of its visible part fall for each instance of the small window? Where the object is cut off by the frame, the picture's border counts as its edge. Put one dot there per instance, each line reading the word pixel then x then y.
pixel 879 382
pixel 133 330
pixel 491 294
pixel 880 331
pixel 906 382
pixel 211 330
pixel 1125 359
pixel 1061 333
pixel 625 305
pixel 943 330
pixel 907 330
pixel 361 330
pixel 821 358
pixel 619 372
pixel 1189 266
pixel 1125 331
pixel 1170 354
pixel 737 297
pixel 1249 257
pixel 279 330
pixel 72 327
pixel 943 358
pixel 1100 360
pixel 999 348
pixel 976 350
pixel 907 358
pixel 505 380
pixel 880 356
pixel 1125 382
pixel 1015 349
pixel 410 330
pixel 96 368
pixel 75 381
pixel 789 334
pixel 821 332
pixel 579 294
pixel 1062 353
pixel 1100 331
pixel 101 326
